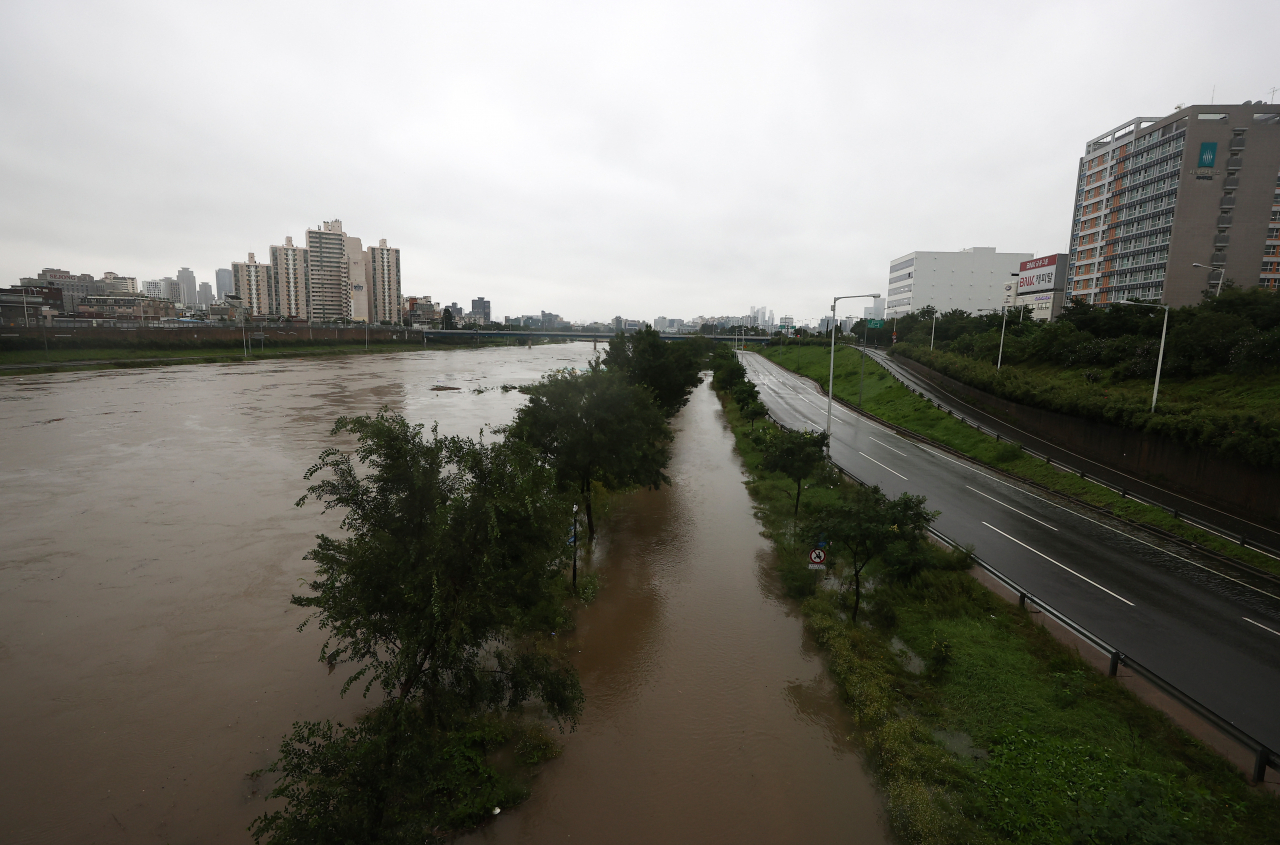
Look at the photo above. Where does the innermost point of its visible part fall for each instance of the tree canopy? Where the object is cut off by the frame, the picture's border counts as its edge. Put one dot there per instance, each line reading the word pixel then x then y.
pixel 441 593
pixel 595 427
pixel 795 454
pixel 669 369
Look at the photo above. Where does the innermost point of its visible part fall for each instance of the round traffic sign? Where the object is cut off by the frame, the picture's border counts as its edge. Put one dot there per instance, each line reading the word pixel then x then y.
pixel 817 556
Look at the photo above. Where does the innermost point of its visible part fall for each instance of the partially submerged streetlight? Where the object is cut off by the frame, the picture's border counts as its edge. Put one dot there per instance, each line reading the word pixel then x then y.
pixel 831 372
pixel 1159 358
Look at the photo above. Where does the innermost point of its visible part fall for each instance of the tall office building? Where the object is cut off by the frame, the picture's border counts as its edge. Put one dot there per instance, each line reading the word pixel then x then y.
pixel 223 284
pixel 330 279
pixel 74 287
pixel 255 285
pixel 291 266
pixel 971 279
pixel 480 309
pixel 153 288
pixel 1167 208
pixel 384 282
pixel 171 289
pixel 204 295
pixel 187 280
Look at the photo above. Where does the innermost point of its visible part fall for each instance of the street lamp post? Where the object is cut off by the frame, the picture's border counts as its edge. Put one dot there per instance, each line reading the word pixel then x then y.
pixel 1204 267
pixel 1004 320
pixel 831 371
pixel 934 331
pixel 1159 358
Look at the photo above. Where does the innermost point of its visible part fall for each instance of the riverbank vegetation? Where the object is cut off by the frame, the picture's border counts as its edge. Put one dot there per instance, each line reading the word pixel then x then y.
pixel 885 397
pixel 978 724
pixel 444 594
pixel 1220 378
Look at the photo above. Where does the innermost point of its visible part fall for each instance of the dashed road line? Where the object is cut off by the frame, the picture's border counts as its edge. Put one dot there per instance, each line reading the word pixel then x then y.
pixel 1260 625
pixel 1010 507
pixel 874 461
pixel 1055 563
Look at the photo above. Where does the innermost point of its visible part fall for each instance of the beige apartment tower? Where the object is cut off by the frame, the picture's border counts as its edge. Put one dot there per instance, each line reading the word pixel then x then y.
pixel 330 279
pixel 384 282
pixel 292 267
pixel 1171 208
pixel 254 283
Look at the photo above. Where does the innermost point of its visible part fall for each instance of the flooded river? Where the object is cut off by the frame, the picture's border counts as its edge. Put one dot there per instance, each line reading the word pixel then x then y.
pixel 148 547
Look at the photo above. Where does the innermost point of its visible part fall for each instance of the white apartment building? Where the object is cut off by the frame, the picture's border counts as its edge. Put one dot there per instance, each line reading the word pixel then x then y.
pixel 292 280
pixel 970 279
pixel 383 278
pixel 254 284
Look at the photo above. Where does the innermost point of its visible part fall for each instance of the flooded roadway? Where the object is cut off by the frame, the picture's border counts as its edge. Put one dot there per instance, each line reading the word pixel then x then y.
pixel 148 547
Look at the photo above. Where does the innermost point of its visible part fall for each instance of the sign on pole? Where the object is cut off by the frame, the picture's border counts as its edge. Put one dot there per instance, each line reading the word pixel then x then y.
pixel 875 324
pixel 817 559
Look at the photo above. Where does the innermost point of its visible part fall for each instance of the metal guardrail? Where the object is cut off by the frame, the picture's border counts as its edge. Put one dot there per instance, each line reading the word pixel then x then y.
pixel 1239 539
pixel 1263 756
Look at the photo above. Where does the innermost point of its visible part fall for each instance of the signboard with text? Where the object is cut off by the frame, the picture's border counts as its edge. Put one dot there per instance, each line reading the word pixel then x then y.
pixel 875 324
pixel 1042 274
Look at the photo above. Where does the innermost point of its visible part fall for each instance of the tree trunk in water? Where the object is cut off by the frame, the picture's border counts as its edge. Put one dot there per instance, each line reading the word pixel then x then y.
pixel 591 523
pixel 857 593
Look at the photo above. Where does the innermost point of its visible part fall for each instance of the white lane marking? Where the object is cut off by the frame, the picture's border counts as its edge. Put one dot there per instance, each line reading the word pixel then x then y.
pixel 887 446
pixel 874 461
pixel 1055 563
pixel 1018 489
pixel 1096 522
pixel 1010 507
pixel 1260 625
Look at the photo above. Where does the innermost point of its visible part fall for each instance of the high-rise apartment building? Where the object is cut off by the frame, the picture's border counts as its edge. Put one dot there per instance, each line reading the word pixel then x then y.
pixel 291 266
pixel 204 295
pixel 971 279
pixel 481 309
pixel 187 280
pixel 255 285
pixel 153 288
pixel 384 282
pixel 330 279
pixel 358 278
pixel 115 283
pixel 222 283
pixel 171 290
pixel 1168 208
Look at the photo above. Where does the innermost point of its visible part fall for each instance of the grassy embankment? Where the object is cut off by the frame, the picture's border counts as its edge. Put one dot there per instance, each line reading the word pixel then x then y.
pixel 63 360
pixel 1001 734
pixel 888 399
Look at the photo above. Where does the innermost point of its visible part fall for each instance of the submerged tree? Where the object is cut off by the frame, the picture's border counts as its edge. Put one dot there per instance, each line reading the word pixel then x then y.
pixel 441 592
pixel 795 454
pixel 857 525
pixel 595 427
pixel 669 369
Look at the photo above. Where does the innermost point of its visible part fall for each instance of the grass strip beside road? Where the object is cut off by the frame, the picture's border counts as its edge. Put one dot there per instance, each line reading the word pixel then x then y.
pixel 982 728
pixel 887 398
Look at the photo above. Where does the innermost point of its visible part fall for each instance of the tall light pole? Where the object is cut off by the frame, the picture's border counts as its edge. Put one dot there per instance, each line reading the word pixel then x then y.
pixel 1004 319
pixel 831 371
pixel 1160 358
pixel 934 331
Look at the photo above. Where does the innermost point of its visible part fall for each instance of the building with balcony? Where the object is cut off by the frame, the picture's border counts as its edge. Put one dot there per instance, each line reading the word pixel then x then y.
pixel 1170 208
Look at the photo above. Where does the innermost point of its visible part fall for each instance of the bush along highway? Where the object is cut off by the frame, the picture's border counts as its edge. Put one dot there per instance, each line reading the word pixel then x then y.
pixel 980 726
pixel 887 398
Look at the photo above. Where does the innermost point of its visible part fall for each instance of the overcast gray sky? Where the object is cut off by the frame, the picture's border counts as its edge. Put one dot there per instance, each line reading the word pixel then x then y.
pixel 588 158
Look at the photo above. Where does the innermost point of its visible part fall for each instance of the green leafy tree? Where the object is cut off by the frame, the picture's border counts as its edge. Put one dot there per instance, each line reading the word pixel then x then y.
pixel 448 322
pixel 669 369
pixel 743 393
pixel 858 525
pixel 753 411
pixel 795 454
pixel 908 552
pixel 595 427
pixel 441 592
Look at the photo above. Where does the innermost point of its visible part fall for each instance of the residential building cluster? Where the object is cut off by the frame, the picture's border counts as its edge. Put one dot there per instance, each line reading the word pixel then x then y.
pixel 1166 209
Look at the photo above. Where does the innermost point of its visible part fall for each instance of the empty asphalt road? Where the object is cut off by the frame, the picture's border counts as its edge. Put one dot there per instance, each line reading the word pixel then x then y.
pixel 1214 635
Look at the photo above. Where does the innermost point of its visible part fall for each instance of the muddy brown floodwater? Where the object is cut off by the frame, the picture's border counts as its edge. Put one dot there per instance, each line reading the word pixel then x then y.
pixel 709 716
pixel 148 548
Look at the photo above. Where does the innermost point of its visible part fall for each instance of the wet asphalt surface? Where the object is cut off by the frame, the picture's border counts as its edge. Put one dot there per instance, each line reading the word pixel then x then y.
pixel 1214 635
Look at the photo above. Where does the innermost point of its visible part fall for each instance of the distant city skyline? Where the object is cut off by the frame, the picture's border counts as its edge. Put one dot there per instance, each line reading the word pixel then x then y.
pixel 624 158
